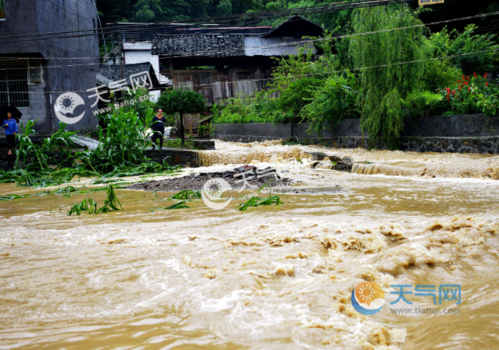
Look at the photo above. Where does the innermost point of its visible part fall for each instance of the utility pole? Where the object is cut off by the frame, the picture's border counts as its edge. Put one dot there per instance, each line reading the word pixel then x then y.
pixel 121 65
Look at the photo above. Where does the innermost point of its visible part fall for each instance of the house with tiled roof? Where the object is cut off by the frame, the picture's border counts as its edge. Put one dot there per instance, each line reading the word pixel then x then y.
pixel 221 63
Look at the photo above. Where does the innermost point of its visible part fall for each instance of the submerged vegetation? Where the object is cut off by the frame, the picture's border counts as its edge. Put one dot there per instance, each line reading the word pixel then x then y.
pixel 178 205
pixel 187 194
pixel 257 201
pixel 10 197
pixel 88 205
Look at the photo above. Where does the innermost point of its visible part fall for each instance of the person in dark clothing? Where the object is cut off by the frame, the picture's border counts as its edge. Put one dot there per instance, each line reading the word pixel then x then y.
pixel 10 126
pixel 158 127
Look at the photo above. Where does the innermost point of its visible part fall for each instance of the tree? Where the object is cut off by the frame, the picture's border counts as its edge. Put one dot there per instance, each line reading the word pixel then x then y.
pixel 115 11
pixel 460 49
pixel 181 101
pixel 385 76
pixel 298 94
pixel 148 11
pixel 330 103
pixel 183 10
pixel 224 8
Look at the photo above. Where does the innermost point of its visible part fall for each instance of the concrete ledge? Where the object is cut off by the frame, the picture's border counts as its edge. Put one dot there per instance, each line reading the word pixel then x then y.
pixel 481 145
pixel 472 125
pixel 473 133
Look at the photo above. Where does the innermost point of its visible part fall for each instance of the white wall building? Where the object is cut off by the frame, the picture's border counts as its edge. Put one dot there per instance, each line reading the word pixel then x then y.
pixel 141 52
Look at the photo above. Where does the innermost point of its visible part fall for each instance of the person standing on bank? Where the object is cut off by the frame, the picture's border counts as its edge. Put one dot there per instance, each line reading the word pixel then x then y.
pixel 158 127
pixel 10 126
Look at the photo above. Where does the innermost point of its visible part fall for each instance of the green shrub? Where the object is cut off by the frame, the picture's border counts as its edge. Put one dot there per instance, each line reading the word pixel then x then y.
pixel 438 73
pixel 298 94
pixel 423 104
pixel 259 109
pixel 471 94
pixel 329 104
pixel 445 44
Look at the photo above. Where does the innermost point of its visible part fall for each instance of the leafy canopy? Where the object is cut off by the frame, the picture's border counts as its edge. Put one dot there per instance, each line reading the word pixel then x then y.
pixel 449 44
pixel 181 101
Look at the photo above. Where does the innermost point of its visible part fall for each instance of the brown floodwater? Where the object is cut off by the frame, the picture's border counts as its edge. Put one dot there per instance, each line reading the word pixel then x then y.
pixel 276 277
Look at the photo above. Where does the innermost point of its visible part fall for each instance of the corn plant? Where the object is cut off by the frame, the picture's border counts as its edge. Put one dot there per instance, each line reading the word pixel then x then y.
pixel 36 158
pixel 111 203
pixel 87 205
pixel 121 152
pixel 187 194
pixel 123 142
pixel 13 196
pixel 257 201
pixel 179 205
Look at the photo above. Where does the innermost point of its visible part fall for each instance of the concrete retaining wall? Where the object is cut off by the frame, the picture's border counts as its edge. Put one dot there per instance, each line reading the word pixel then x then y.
pixel 459 133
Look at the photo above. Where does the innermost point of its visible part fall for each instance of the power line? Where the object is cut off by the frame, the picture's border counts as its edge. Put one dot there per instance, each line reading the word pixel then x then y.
pixel 313 74
pixel 100 25
pixel 288 43
pixel 200 54
pixel 333 7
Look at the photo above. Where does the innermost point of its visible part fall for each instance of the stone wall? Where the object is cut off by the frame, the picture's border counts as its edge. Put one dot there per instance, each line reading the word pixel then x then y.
pixel 457 134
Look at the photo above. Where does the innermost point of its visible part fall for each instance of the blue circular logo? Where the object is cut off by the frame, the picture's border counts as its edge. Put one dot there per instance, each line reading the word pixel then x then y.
pixel 368 298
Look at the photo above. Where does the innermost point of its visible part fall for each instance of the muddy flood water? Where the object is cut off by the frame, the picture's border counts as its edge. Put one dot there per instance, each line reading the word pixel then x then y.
pixel 274 277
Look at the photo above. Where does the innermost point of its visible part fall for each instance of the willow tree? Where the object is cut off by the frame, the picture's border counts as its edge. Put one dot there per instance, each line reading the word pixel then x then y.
pixel 382 55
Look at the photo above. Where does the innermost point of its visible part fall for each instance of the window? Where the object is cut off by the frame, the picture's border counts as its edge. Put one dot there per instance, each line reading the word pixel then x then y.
pixel 14 87
pixel 35 75
pixel 2 10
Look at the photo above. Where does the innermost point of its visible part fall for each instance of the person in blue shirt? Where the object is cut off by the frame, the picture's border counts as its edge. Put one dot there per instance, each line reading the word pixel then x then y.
pixel 10 126
pixel 158 127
